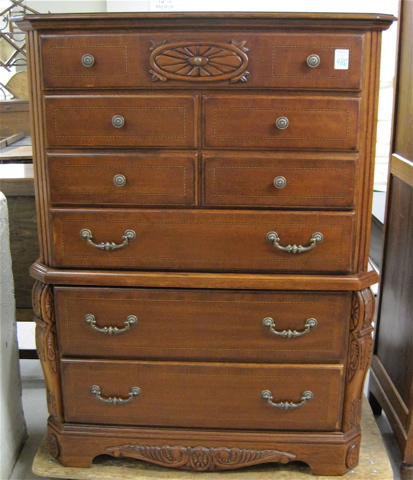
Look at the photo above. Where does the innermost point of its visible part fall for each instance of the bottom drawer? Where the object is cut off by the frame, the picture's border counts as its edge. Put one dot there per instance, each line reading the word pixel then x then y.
pixel 214 395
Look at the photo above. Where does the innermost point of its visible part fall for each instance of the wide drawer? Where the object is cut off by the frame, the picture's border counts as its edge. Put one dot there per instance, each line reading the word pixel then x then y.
pixel 202 395
pixel 239 60
pixel 206 240
pixel 258 181
pixel 208 325
pixel 121 120
pixel 282 122
pixel 124 179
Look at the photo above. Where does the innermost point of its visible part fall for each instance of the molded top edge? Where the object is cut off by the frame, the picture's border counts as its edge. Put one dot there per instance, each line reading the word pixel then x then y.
pixel 95 20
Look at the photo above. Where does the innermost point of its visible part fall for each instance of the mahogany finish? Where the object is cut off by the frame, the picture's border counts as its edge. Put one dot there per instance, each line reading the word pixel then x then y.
pixel 203 191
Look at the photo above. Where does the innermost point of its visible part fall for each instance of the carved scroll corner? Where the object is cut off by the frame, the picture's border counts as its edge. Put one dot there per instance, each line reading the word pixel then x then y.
pixel 200 459
pixel 355 413
pixel 155 44
pixel 241 78
pixel 361 329
pixel 156 76
pixel 240 45
pixel 37 291
pixel 51 403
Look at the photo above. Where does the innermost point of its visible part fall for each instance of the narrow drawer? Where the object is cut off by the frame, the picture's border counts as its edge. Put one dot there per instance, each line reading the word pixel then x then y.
pixel 282 122
pixel 121 121
pixel 202 395
pixel 257 181
pixel 237 60
pixel 205 240
pixel 123 179
pixel 207 325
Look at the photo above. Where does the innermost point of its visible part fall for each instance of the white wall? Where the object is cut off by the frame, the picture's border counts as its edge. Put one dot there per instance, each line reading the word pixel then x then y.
pixel 67 6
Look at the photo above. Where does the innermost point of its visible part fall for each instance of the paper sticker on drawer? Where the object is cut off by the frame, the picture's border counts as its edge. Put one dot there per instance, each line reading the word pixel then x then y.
pixel 341 59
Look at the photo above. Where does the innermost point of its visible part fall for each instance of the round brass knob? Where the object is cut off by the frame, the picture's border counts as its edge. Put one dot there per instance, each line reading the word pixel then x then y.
pixel 118 121
pixel 88 60
pixel 313 61
pixel 119 180
pixel 282 123
pixel 280 182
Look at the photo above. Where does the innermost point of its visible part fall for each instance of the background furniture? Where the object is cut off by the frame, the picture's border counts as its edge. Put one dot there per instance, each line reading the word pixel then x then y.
pixel 391 380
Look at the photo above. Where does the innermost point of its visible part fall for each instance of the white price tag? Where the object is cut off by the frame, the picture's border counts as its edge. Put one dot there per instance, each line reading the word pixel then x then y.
pixel 164 5
pixel 341 59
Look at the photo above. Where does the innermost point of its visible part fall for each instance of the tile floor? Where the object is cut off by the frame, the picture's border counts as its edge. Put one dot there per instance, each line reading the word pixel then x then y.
pixel 34 405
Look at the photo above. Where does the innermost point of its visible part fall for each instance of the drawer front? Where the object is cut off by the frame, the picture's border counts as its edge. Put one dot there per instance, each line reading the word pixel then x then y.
pixel 257 181
pixel 123 179
pixel 202 395
pixel 285 60
pixel 207 325
pixel 203 240
pixel 121 121
pixel 303 122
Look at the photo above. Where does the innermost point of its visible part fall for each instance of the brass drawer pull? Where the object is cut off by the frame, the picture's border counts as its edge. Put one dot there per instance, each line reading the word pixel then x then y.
pixel 118 121
pixel 134 392
pixel 88 60
pixel 280 182
pixel 119 180
pixel 313 61
pixel 128 236
pixel 272 237
pixel 130 320
pixel 305 397
pixel 310 323
pixel 282 123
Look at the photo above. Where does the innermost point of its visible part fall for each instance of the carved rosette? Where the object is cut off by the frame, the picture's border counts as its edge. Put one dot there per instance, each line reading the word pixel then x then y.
pixel 359 357
pixel 201 61
pixel 200 459
pixel 352 457
pixel 46 344
pixel 54 446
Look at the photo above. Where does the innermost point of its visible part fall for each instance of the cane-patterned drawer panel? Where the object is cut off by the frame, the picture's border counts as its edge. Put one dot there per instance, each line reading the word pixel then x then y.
pixel 203 240
pixel 190 59
pixel 258 181
pixel 202 395
pixel 204 325
pixel 121 120
pixel 283 122
pixel 123 179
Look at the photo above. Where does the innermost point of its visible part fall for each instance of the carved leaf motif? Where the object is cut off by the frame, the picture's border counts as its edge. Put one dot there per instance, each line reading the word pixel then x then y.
pixel 200 458
pixel 199 61
pixel 36 298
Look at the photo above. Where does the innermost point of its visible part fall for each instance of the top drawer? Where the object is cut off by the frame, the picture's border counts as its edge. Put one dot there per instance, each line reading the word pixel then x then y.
pixel 239 60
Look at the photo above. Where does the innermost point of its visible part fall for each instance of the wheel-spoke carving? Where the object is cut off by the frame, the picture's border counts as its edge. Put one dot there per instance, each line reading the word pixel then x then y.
pixel 194 62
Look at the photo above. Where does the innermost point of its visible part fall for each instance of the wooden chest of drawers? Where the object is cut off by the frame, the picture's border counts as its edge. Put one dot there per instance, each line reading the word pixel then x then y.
pixel 203 192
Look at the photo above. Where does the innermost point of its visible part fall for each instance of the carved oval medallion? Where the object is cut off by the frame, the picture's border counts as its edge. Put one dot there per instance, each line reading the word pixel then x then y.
pixel 195 62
